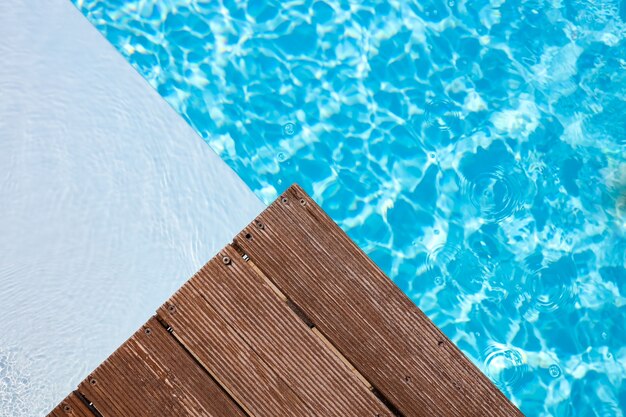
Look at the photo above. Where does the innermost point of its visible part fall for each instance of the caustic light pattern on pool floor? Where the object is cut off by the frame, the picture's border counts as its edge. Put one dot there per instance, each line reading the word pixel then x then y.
pixel 476 150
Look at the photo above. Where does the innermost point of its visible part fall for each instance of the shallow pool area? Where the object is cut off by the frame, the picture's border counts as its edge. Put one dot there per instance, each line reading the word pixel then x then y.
pixel 475 150
pixel 109 202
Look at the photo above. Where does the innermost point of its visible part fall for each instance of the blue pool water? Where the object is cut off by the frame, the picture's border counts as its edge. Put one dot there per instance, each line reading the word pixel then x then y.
pixel 475 150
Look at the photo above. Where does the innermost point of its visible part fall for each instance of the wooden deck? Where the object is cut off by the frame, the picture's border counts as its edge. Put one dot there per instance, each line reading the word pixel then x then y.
pixel 291 319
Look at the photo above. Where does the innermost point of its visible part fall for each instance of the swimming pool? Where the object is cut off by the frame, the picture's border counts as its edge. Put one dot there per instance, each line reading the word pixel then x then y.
pixel 475 150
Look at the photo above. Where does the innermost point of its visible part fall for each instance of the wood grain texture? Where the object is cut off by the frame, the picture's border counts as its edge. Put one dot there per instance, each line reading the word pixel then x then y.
pixel 71 406
pixel 227 312
pixel 308 326
pixel 152 375
pixel 364 315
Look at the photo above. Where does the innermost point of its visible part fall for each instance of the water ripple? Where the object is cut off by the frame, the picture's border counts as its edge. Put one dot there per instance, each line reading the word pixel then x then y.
pixel 505 366
pixel 554 371
pixel 442 114
pixel 17 390
pixel 495 193
pixel 461 267
pixel 552 288
pixel 438 258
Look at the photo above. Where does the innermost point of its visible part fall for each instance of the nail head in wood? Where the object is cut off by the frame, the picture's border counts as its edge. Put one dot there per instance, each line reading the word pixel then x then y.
pixel 226 260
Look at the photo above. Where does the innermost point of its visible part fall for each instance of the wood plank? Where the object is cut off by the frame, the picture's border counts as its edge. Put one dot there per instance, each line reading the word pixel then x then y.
pixel 227 312
pixel 71 406
pixel 152 375
pixel 228 358
pixel 364 315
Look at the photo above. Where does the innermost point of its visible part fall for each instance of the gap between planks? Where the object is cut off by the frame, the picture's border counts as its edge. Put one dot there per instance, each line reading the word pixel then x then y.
pixel 229 255
pixel 204 367
pixel 75 405
pixel 316 332
pixel 302 316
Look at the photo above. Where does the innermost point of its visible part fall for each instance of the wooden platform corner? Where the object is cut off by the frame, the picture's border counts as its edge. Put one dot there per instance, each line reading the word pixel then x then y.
pixel 291 319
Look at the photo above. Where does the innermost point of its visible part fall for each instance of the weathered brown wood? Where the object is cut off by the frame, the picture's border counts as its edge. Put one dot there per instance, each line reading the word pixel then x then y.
pixel 152 375
pixel 308 326
pixel 244 374
pixel 364 315
pixel 71 406
pixel 227 312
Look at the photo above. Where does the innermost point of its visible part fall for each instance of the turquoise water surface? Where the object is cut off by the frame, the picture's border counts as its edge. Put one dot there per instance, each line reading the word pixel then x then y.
pixel 475 150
